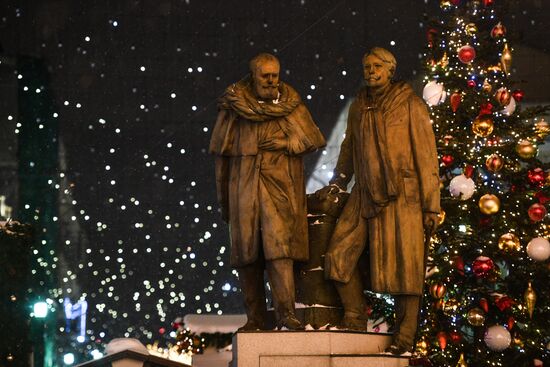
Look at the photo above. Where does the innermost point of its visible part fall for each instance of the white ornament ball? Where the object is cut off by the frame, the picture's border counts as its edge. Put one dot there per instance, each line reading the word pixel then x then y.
pixel 497 338
pixel 538 249
pixel 434 93
pixel 510 107
pixel 462 187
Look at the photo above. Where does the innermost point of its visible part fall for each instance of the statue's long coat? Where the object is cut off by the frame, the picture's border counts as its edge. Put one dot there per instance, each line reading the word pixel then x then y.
pixel 392 230
pixel 263 192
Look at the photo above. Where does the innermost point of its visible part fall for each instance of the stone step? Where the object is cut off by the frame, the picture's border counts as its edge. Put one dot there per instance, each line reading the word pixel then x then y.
pixel 317 348
pixel 333 361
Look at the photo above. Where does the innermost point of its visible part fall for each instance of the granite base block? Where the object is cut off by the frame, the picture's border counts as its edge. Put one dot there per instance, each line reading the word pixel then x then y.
pixel 313 348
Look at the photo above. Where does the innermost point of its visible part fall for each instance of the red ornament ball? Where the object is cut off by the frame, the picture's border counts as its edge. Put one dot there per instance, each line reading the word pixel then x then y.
pixel 455 337
pixel 455 2
pixel 469 171
pixel 466 54
pixel 486 109
pixel 488 2
pixel 482 266
pixel 447 160
pixel 518 95
pixel 537 212
pixel 471 83
pixel 162 330
pixel 536 177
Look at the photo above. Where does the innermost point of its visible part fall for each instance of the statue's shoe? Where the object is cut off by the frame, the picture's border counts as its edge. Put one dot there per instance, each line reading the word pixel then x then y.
pixel 358 323
pixel 290 322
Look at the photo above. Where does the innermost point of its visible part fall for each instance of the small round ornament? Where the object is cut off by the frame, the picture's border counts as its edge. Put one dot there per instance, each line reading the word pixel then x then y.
pixel 494 163
pixel 455 337
pixel 538 249
pixel 518 95
pixel 471 83
pixel 447 160
pixel 510 107
pixel 509 242
pixel 526 149
pixel 537 212
pixel 434 93
pixel 466 54
pixel 438 290
pixel 498 31
pixel 489 204
pixel 482 266
pixel 476 316
pixel 536 176
pixel 462 187
pixel 497 338
pixel 483 126
pixel 503 96
pixel 470 29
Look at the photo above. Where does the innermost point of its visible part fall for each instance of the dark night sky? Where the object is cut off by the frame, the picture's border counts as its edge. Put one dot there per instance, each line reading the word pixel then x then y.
pixel 135 85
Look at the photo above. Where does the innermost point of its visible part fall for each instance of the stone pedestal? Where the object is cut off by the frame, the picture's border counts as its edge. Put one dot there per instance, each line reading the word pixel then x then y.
pixel 313 349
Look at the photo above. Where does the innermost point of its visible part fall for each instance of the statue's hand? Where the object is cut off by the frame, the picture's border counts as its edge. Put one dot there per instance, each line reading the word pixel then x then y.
pixel 431 221
pixel 322 194
pixel 274 144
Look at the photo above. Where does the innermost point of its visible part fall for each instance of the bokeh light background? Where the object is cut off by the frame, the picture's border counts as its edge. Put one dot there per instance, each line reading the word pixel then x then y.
pixel 134 87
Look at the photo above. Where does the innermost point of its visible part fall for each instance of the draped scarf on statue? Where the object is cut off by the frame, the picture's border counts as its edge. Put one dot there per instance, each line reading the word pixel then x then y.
pixel 376 176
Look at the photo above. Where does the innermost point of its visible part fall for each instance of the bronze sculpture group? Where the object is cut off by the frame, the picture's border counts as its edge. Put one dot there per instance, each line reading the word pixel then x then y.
pixel 262 131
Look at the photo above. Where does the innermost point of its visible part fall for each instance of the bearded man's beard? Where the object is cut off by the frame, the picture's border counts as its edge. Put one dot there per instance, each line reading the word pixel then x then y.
pixel 267 91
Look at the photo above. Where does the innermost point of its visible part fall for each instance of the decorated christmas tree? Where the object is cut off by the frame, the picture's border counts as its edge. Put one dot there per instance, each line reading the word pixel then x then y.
pixel 487 298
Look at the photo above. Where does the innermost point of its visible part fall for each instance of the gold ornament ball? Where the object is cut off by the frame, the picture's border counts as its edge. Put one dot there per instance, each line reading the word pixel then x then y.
pixel 489 204
pixel 482 126
pixel 476 316
pixel 470 29
pixel 509 242
pixel 450 306
pixel 542 128
pixel 526 149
